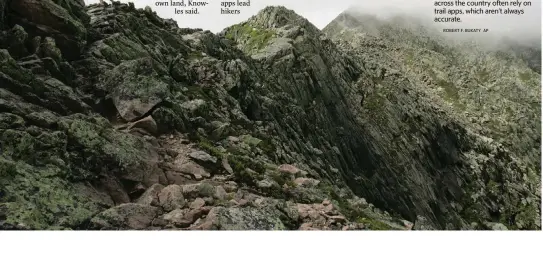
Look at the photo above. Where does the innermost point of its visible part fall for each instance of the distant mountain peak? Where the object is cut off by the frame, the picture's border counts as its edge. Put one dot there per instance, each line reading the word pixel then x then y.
pixel 279 16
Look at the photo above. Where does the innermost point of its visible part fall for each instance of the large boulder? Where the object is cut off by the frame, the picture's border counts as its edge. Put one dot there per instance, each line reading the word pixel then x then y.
pixel 65 22
pixel 135 88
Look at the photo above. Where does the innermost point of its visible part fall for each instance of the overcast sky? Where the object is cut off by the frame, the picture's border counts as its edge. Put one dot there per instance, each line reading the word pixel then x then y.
pixel 321 12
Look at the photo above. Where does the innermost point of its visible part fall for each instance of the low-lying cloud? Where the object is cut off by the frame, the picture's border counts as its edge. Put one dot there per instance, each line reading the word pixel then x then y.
pixel 524 28
pixel 321 12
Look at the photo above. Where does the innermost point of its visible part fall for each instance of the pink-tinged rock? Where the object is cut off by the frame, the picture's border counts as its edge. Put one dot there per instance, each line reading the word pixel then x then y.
pixel 196 171
pixel 303 210
pixel 354 226
pixel 329 209
pixel 150 196
pixel 289 169
pixel 197 203
pixel 175 217
pixel 307 226
pixel 408 225
pixel 176 178
pixel 171 197
pixel 195 214
pixel 114 188
pixel 220 193
pixel 338 219
pixel 184 217
pixel 227 166
pixel 306 182
pixel 147 124
pixel 231 186
pixel 211 220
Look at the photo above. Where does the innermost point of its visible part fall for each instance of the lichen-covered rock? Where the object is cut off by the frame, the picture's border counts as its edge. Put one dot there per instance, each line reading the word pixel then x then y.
pixel 135 88
pixel 289 169
pixel 41 198
pixel 203 157
pixel 221 218
pixel 17 38
pixel 150 196
pixel 272 123
pixel 195 170
pixel 66 23
pixel 125 216
pixel 171 197
pixel 183 218
pixel 197 203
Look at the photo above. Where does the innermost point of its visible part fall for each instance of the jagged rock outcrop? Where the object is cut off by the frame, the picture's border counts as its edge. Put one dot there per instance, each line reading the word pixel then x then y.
pixel 113 118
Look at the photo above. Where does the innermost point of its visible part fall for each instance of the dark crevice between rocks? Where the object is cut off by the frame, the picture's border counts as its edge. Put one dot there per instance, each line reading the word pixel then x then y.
pixel 134 189
pixel 290 224
pixel 4 11
pixel 106 108
pixel 163 103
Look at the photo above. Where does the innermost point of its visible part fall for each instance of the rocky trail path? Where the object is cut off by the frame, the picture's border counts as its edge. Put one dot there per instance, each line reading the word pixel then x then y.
pixel 198 192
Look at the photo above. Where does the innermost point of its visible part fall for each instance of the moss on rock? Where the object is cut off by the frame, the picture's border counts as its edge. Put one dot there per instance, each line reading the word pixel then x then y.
pixel 253 38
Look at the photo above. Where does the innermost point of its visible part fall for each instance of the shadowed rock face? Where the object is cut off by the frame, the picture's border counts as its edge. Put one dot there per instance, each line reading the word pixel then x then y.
pixel 473 91
pixel 62 20
pixel 113 118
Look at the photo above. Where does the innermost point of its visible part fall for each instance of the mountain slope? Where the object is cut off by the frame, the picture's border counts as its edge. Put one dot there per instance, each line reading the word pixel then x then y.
pixel 118 119
pixel 494 90
pixel 134 123
pixel 480 89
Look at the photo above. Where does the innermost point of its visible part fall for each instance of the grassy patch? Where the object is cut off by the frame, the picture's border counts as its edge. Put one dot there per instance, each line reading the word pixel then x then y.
pixel 373 224
pixel 410 57
pixel 195 55
pixel 254 38
pixel 374 102
pixel 267 146
pixel 482 76
pixel 450 91
pixel 212 150
pixel 525 77
pixel 282 179
pixel 240 164
pixel 332 192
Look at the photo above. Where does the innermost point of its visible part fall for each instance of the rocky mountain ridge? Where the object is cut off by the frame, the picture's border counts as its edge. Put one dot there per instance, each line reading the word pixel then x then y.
pixel 113 118
pixel 495 90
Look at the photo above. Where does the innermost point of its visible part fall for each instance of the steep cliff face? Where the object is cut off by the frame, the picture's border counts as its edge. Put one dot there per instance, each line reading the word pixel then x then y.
pixel 487 94
pixel 493 86
pixel 113 118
